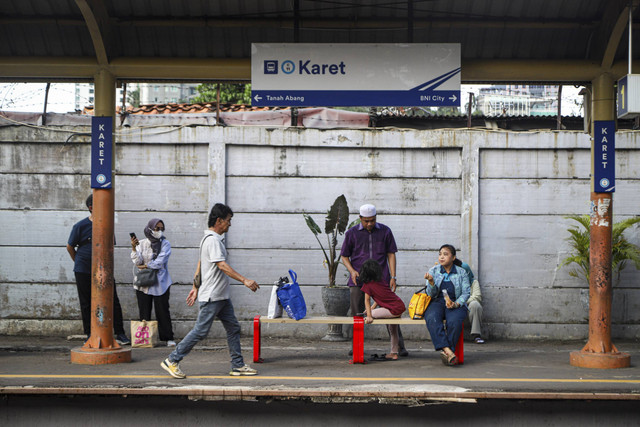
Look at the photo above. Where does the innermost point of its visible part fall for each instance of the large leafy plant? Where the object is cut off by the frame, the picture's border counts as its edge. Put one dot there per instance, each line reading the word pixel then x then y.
pixel 622 250
pixel 335 224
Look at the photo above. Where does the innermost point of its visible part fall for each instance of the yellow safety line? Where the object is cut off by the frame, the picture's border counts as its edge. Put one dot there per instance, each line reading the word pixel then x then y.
pixel 367 379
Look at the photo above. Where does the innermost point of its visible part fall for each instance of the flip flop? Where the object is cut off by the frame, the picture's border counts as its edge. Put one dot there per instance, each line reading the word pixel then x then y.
pixel 444 358
pixel 387 357
pixel 378 358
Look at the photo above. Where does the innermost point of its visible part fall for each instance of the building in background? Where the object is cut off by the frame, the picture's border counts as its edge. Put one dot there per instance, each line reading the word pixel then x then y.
pixel 84 95
pixel 522 100
pixel 156 93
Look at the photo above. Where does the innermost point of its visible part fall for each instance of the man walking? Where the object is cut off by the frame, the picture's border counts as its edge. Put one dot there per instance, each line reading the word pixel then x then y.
pixel 369 240
pixel 213 297
pixel 79 248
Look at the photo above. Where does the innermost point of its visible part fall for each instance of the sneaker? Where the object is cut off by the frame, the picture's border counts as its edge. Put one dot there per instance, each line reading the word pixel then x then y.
pixel 245 370
pixel 479 340
pixel 173 369
pixel 122 339
pixel 171 343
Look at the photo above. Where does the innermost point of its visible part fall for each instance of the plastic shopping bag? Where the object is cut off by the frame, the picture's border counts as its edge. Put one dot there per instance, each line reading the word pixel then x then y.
pixel 291 298
pixel 275 308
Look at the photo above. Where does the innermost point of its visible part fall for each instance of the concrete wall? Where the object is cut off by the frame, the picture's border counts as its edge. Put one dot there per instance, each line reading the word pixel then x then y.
pixel 500 197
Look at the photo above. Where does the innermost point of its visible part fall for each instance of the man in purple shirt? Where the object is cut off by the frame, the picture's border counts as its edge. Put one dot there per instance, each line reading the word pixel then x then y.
pixel 369 240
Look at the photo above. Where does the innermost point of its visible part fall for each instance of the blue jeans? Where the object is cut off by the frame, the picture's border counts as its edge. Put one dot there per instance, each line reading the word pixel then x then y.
pixel 437 311
pixel 208 311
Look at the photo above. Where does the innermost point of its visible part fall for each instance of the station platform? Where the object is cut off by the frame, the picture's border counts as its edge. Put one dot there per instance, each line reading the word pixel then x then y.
pixel 319 372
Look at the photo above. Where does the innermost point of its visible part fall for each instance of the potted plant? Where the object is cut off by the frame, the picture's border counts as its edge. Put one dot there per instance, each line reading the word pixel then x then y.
pixel 621 249
pixel 335 298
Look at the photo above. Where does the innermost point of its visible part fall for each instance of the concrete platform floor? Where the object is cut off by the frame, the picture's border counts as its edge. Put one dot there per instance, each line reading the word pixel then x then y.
pixel 317 369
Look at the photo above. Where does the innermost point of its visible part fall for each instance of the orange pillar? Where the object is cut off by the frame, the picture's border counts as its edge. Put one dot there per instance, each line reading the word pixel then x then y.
pixel 599 352
pixel 101 347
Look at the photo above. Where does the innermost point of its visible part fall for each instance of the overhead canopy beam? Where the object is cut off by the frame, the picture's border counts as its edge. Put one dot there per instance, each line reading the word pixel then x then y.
pixel 314 23
pixel 97 22
pixel 184 69
pixel 616 35
pixel 606 37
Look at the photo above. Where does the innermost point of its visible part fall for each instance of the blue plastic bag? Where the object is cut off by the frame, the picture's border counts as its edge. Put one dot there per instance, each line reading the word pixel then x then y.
pixel 291 298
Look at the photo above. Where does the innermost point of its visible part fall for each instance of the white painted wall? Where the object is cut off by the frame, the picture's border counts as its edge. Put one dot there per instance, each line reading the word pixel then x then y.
pixel 500 197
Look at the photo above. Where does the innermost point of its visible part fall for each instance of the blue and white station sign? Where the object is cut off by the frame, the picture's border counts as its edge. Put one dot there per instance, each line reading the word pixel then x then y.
pixel 604 156
pixel 101 151
pixel 305 74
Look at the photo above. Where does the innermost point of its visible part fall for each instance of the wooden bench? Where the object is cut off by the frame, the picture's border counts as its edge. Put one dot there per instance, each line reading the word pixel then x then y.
pixel 358 332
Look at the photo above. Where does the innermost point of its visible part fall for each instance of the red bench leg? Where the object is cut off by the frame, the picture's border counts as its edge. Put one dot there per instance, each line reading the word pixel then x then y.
pixel 358 340
pixel 256 340
pixel 460 348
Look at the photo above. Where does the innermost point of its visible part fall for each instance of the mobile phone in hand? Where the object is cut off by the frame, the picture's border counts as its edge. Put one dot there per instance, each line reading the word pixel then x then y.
pixel 133 235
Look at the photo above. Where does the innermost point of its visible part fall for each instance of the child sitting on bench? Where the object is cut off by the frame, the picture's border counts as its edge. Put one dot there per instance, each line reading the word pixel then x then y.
pixel 386 303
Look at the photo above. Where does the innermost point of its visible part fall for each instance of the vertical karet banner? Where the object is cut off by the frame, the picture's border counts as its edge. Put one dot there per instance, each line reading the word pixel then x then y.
pixel 604 156
pixel 101 151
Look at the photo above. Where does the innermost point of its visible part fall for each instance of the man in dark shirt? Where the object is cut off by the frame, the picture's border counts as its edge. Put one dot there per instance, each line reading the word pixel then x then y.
pixel 79 248
pixel 369 240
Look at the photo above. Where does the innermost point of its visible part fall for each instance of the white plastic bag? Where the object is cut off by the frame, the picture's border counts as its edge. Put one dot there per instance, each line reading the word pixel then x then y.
pixel 275 308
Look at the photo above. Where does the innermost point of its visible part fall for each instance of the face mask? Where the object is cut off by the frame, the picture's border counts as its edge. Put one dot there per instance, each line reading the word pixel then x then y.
pixel 157 234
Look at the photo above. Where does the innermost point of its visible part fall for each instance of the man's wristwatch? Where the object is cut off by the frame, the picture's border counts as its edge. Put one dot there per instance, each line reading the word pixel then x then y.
pixel 394 277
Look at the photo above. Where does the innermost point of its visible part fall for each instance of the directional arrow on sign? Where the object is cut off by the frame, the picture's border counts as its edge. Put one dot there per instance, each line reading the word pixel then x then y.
pixel 257 98
pixel 453 98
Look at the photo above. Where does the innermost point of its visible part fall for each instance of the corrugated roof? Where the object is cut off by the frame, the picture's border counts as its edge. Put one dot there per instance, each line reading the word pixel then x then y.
pixel 486 29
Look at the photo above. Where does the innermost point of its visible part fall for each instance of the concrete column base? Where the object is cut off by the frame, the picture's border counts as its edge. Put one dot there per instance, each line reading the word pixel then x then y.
pixel 585 359
pixel 100 356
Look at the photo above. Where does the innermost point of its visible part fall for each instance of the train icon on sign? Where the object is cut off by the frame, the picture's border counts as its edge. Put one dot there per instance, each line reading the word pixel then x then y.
pixel 271 67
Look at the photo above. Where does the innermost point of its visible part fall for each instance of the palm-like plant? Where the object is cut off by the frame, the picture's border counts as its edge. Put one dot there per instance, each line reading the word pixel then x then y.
pixel 621 249
pixel 335 224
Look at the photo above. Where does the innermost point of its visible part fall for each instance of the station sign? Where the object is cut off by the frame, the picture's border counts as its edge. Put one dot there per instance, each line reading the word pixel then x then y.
pixel 604 156
pixel 356 74
pixel 629 96
pixel 101 152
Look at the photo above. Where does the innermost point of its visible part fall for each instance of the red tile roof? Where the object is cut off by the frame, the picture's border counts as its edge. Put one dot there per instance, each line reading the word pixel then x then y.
pixel 209 107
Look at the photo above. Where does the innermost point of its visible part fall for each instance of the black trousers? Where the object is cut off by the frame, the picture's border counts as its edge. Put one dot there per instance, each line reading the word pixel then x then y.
pixel 161 304
pixel 357 306
pixel 83 283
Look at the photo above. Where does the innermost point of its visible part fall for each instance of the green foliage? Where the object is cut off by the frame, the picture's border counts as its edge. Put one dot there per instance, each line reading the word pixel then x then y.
pixel 335 224
pixel 133 98
pixel 621 249
pixel 230 93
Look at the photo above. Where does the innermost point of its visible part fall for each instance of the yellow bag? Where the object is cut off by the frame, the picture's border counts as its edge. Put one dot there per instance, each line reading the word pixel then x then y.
pixel 144 333
pixel 418 304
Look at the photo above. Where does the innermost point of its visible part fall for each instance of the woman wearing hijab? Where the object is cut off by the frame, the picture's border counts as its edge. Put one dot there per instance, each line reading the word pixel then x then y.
pixel 154 252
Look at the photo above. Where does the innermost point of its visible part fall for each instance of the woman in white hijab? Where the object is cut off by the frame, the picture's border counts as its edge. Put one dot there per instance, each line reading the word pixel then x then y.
pixel 154 252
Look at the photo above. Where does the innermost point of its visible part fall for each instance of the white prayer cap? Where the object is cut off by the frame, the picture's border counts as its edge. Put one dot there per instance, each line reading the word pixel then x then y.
pixel 367 211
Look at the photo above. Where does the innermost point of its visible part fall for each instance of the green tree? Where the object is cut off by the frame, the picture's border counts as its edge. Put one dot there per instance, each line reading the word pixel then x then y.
pixel 133 98
pixel 621 249
pixel 230 93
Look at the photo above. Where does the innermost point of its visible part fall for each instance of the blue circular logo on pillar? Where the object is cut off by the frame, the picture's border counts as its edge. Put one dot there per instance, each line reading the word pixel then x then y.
pixel 288 67
pixel 604 183
pixel 101 179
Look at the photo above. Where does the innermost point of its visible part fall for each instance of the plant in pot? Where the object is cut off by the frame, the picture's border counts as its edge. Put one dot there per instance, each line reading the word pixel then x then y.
pixel 335 298
pixel 621 249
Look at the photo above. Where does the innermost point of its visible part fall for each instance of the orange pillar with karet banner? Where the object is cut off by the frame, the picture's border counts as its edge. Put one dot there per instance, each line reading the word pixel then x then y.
pixel 599 352
pixel 101 347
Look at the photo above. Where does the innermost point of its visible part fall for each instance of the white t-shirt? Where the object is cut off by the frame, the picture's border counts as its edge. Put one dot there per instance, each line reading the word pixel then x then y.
pixel 215 284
